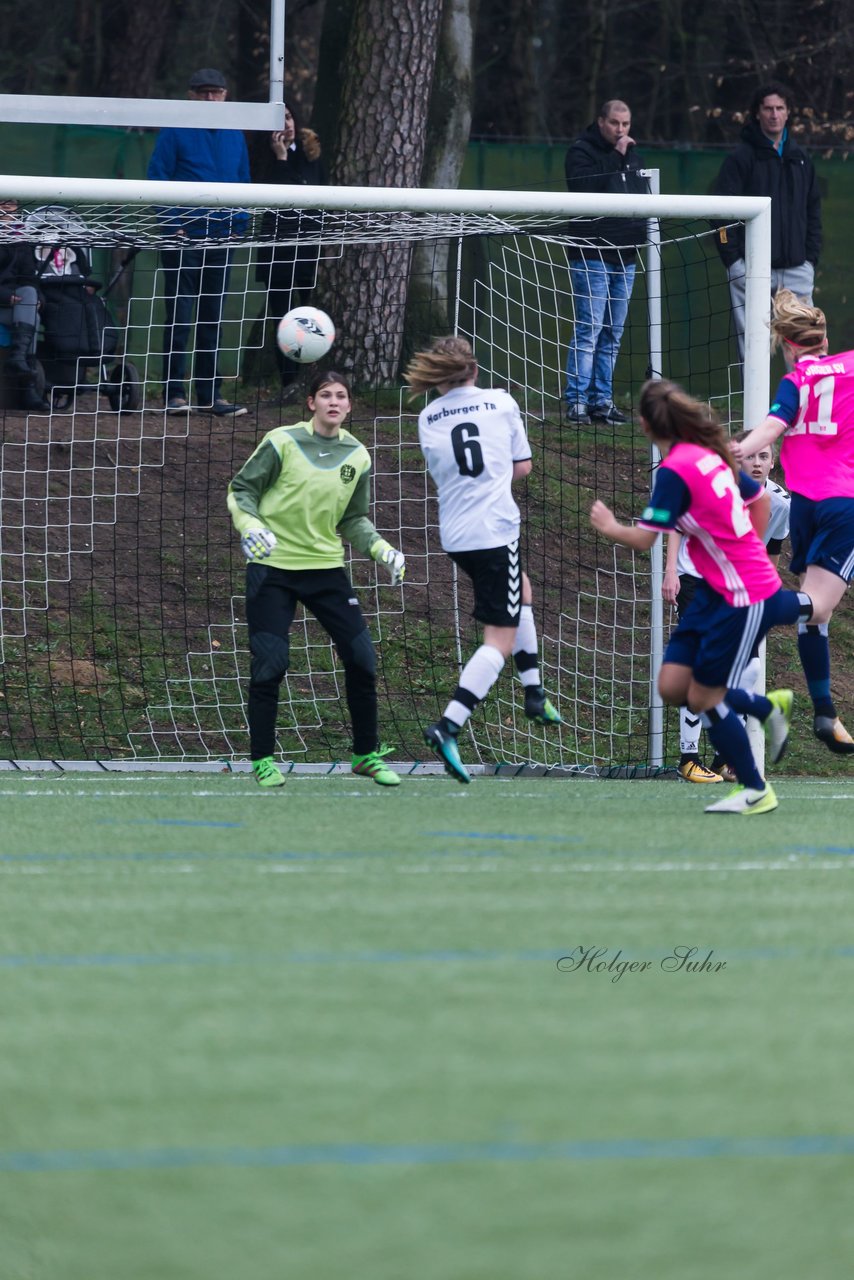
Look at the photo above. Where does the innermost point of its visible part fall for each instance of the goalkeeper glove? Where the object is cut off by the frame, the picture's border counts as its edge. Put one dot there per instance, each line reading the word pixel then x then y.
pixel 384 553
pixel 257 544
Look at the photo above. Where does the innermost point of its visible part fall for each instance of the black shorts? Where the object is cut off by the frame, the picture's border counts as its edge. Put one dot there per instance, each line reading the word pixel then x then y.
pixel 688 585
pixel 496 575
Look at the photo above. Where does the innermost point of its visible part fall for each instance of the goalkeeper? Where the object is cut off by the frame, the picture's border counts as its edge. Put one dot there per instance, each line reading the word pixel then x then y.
pixel 303 487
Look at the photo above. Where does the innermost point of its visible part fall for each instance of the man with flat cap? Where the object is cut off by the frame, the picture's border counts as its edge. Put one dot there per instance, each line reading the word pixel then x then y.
pixel 196 271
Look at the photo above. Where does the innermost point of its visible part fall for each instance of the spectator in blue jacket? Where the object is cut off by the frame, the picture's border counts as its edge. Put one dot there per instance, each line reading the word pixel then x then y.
pixel 196 271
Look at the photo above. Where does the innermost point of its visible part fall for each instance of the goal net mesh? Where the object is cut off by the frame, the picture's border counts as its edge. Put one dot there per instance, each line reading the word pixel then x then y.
pixel 122 629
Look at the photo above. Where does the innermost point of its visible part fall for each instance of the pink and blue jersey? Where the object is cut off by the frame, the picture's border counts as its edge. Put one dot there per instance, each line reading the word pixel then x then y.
pixel 696 493
pixel 816 402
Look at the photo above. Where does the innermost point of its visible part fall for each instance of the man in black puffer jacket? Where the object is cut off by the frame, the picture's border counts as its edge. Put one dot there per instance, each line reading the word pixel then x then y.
pixel 768 162
pixel 602 261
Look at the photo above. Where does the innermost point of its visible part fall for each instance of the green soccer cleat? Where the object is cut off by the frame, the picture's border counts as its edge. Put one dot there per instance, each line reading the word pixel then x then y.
pixel 374 766
pixel 747 801
pixel 267 773
pixel 834 735
pixel 445 746
pixel 538 707
pixel 777 725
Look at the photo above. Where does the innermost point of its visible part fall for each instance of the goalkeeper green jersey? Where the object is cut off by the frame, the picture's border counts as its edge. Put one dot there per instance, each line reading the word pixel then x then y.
pixel 307 489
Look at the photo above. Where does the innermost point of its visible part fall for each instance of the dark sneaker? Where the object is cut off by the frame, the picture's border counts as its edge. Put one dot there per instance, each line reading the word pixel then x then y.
pixel 607 413
pixel 267 773
pixel 223 409
pixel 374 766
pixel 578 413
pixel 445 746
pixel 177 404
pixel 719 765
pixel 833 734
pixel 538 707
pixel 776 727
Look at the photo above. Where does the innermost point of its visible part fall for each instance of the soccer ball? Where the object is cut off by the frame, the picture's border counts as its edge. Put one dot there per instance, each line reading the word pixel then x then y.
pixel 305 334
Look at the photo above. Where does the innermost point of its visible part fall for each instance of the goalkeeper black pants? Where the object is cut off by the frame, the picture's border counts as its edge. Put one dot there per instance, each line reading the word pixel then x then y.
pixel 272 596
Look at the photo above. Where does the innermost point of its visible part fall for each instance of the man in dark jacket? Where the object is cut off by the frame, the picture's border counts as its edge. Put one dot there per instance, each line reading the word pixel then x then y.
pixel 602 263
pixel 768 162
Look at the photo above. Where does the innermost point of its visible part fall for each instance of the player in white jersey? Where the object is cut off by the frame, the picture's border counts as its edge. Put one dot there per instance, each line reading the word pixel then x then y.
pixel 475 446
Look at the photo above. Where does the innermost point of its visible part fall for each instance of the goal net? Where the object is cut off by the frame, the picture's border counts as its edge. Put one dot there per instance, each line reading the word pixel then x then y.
pixel 122 629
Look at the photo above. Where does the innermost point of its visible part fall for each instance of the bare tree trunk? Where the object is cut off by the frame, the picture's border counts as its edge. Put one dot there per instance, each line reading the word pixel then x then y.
pixel 135 43
pixel 332 56
pixel 449 128
pixel 381 142
pixel 302 55
pixel 597 32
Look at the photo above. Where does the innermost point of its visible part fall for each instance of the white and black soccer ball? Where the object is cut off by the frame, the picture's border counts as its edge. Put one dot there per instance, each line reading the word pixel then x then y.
pixel 305 334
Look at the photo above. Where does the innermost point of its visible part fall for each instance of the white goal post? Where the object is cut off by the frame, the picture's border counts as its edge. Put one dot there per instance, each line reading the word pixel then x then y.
pixel 754 211
pixel 42 108
pixel 76 478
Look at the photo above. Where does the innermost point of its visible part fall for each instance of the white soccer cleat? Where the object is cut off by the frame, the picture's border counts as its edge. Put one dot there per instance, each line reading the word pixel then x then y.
pixel 746 800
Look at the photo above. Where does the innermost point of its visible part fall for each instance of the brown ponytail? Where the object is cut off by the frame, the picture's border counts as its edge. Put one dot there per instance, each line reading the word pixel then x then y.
pixel 674 416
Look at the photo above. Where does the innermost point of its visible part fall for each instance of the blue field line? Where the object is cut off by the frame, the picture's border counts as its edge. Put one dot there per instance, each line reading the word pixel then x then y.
pixel 440 955
pixel 390 956
pixel 495 835
pixel 240 855
pixel 161 822
pixel 198 855
pixel 129 1159
pixel 568 847
pixel 844 849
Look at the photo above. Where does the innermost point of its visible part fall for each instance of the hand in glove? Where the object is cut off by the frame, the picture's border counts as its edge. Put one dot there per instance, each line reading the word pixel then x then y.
pixel 384 553
pixel 257 544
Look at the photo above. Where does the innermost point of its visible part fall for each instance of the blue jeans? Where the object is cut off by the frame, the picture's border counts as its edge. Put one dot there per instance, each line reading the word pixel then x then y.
pixel 24 312
pixel 193 278
pixel 601 292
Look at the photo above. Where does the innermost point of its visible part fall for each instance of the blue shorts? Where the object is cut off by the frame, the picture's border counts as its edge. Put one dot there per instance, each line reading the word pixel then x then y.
pixel 822 533
pixel 716 640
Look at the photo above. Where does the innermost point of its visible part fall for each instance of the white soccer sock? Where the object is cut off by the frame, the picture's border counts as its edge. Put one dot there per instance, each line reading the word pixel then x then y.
pixel 526 647
pixel 689 732
pixel 479 675
pixel 750 676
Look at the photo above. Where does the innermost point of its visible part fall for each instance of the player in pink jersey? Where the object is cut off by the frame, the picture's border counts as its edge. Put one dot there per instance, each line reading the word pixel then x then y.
pixel 699 492
pixel 813 410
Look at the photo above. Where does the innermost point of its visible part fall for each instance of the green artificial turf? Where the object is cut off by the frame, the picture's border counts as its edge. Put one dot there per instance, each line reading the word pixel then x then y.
pixel 323 1032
